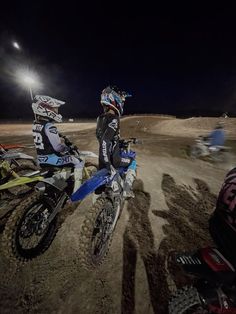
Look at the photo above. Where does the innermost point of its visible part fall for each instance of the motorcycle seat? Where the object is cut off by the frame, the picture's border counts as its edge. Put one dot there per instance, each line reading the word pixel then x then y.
pixel 219 265
pixel 48 167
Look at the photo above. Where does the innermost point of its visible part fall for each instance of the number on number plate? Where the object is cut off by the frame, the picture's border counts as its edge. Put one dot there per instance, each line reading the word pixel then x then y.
pixel 38 140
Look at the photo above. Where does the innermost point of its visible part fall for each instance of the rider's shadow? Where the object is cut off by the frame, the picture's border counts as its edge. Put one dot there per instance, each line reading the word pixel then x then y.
pixel 138 238
pixel 187 228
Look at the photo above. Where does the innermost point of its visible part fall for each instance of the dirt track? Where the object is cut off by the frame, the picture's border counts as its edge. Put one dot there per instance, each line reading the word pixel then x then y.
pixel 174 197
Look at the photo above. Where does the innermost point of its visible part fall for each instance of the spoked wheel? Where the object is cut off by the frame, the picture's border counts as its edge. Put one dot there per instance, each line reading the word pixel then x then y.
pixel 186 301
pixel 27 232
pixel 219 157
pixel 96 233
pixel 195 152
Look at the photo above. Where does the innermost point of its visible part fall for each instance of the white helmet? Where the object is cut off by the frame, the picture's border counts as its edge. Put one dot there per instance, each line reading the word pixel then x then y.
pixel 45 107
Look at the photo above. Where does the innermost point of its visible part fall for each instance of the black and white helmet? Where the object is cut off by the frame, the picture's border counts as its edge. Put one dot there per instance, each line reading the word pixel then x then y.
pixel 47 107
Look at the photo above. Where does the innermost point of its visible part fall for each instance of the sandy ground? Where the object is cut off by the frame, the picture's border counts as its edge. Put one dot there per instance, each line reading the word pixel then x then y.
pixel 26 129
pixel 174 197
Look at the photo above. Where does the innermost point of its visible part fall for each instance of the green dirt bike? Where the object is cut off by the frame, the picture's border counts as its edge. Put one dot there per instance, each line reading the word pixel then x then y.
pixel 13 164
pixel 33 225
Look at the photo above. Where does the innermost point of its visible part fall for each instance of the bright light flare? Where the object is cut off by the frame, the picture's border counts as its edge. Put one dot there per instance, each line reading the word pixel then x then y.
pixel 16 45
pixel 27 79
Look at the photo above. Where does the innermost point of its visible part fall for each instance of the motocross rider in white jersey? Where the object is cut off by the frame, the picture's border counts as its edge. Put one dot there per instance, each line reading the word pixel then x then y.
pixel 51 151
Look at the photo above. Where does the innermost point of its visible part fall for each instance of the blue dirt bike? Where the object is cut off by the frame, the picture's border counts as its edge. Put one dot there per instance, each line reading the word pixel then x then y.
pixel 101 219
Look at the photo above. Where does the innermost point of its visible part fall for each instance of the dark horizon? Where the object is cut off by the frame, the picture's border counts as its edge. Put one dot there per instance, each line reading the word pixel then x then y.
pixel 177 60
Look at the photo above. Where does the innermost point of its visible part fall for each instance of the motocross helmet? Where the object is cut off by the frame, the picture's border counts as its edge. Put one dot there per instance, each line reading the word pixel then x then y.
pixel 113 98
pixel 47 108
pixel 219 125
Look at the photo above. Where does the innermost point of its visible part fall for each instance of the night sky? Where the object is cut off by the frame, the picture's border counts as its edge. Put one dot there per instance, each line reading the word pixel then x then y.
pixel 174 59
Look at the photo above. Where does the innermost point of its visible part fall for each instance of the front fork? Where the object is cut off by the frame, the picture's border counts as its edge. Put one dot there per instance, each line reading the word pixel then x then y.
pixel 85 173
pixel 117 204
pixel 6 168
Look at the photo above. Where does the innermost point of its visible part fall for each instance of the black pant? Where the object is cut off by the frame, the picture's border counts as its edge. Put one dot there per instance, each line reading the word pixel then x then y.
pixel 224 237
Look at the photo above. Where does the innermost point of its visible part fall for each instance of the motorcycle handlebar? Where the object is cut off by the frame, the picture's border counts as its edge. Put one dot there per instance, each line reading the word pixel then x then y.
pixel 132 140
pixel 73 149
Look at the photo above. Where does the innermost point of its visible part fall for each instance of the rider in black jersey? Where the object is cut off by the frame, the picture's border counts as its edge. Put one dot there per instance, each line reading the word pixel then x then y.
pixel 108 135
pixel 223 221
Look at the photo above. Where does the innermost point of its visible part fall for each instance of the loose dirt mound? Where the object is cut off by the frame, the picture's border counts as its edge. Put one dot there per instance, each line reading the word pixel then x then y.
pixel 26 129
pixel 193 127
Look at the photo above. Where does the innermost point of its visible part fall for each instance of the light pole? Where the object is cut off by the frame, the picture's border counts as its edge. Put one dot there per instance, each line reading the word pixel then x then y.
pixel 29 82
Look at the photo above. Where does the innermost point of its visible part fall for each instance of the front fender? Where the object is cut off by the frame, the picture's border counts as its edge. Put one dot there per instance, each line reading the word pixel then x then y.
pixel 20 181
pixel 100 178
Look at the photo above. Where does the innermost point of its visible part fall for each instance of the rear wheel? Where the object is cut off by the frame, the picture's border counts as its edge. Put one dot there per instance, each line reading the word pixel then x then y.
pixel 219 156
pixel 27 233
pixel 96 233
pixel 186 301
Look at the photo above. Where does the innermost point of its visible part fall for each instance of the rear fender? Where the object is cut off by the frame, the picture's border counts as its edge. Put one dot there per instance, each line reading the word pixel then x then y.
pixel 100 178
pixel 215 260
pixel 16 155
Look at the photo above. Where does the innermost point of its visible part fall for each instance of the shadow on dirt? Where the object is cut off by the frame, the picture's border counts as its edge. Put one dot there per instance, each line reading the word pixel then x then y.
pixel 138 238
pixel 187 229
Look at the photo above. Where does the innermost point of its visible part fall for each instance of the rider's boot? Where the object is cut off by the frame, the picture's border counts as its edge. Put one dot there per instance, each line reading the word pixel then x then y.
pixel 95 197
pixel 78 173
pixel 129 180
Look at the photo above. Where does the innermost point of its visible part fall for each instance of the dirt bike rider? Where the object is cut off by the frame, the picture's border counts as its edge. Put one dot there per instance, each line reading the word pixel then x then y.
pixel 108 135
pixel 210 143
pixel 217 136
pixel 222 223
pixel 50 149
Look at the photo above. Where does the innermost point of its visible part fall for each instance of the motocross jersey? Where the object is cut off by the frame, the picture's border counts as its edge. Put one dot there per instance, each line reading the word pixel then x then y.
pixel 226 203
pixel 46 139
pixel 108 135
pixel 223 221
pixel 217 137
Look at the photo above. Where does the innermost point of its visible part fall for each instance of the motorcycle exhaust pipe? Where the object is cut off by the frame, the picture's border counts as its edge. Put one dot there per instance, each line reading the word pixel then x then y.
pixel 40 187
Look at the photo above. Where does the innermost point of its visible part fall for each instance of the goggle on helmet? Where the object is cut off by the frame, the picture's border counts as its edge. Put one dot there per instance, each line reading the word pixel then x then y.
pixel 113 98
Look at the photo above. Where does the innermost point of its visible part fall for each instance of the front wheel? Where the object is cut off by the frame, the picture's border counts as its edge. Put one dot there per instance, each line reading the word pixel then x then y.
pixel 27 233
pixel 96 233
